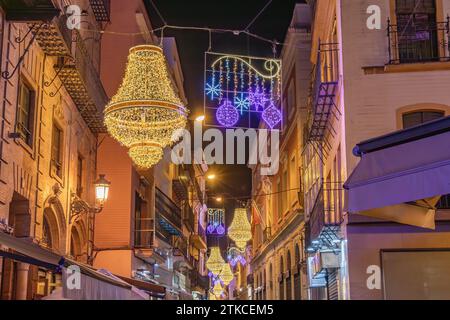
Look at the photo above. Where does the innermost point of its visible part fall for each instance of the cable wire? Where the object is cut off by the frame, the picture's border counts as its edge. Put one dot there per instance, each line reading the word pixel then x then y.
pixel 257 16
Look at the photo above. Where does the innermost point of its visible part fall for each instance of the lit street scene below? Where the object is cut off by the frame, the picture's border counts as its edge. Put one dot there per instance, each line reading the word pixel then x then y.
pixel 249 152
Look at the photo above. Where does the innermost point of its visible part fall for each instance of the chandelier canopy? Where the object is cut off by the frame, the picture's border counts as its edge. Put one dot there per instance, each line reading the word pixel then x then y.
pixel 215 262
pixel 240 230
pixel 227 274
pixel 146 112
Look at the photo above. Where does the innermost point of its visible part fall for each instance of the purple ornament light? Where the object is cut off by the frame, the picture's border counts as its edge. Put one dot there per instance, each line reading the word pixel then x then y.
pixel 272 116
pixel 258 99
pixel 220 230
pixel 227 115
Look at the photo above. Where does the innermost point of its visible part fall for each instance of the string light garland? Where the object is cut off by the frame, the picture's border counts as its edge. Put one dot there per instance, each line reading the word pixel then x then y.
pixel 215 261
pixel 146 111
pixel 240 230
pixel 240 90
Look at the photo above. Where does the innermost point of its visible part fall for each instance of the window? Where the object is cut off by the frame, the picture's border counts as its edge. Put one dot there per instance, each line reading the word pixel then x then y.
pixel 416 118
pixel 25 113
pixel 143 223
pixel 417 30
pixel 291 103
pixel 46 234
pixel 284 191
pixel 57 156
pixel 79 176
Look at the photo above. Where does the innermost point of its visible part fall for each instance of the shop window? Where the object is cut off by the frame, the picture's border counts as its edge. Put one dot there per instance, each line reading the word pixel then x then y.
pixel 25 112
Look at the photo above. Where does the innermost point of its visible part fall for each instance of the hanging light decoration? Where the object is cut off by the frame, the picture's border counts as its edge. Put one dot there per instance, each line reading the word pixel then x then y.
pixel 227 274
pixel 217 290
pixel 240 230
pixel 146 112
pixel 215 262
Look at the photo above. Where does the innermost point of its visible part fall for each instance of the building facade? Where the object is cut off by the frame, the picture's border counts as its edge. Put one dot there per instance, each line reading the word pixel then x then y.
pixel 52 103
pixel 60 66
pixel 367 82
pixel 278 261
pixel 156 228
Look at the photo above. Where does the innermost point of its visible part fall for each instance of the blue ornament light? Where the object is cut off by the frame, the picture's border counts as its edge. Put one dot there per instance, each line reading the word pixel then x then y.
pixel 242 103
pixel 212 90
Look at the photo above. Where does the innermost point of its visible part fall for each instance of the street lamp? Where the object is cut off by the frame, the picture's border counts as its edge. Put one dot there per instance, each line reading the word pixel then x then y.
pixel 78 207
pixel 102 189
pixel 200 118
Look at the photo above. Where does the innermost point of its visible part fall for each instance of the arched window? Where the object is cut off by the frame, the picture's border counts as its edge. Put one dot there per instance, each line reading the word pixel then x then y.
pixel 415 118
pixel 46 234
pixel 272 294
pixel 281 279
pixel 288 277
pixel 264 285
pixel 297 276
pixel 75 244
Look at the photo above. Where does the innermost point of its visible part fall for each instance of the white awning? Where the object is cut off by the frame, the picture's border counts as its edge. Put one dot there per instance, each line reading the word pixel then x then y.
pixel 401 176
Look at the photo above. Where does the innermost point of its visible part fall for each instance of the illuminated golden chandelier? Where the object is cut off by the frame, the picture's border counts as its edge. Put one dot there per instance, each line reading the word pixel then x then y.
pixel 146 112
pixel 227 274
pixel 217 290
pixel 215 261
pixel 240 230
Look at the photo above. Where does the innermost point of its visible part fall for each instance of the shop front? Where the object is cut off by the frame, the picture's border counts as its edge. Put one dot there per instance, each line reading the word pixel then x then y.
pixel 398 227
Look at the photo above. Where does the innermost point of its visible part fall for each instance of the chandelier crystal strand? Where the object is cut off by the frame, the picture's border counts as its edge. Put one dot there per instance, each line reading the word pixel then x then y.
pixel 215 262
pixel 240 230
pixel 146 111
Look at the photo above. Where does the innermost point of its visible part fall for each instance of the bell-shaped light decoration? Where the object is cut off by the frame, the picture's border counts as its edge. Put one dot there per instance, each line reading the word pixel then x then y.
pixel 215 261
pixel 217 290
pixel 240 230
pixel 227 274
pixel 146 111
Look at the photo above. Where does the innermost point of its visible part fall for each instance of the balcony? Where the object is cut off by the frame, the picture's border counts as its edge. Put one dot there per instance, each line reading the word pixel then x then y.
pixel 144 234
pixel 29 10
pixel 198 281
pixel 168 217
pixel 101 10
pixel 75 70
pixel 325 218
pixel 321 102
pixel 199 237
pixel 180 248
pixel 188 216
pixel 419 43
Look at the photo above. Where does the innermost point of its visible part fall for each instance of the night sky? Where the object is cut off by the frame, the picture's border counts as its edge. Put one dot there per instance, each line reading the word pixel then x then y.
pixel 233 181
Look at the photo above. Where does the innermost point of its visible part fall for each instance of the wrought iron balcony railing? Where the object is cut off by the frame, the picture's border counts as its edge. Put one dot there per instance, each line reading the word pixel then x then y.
pixel 417 43
pixel 326 215
pixel 321 101
pixel 168 217
pixel 75 69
